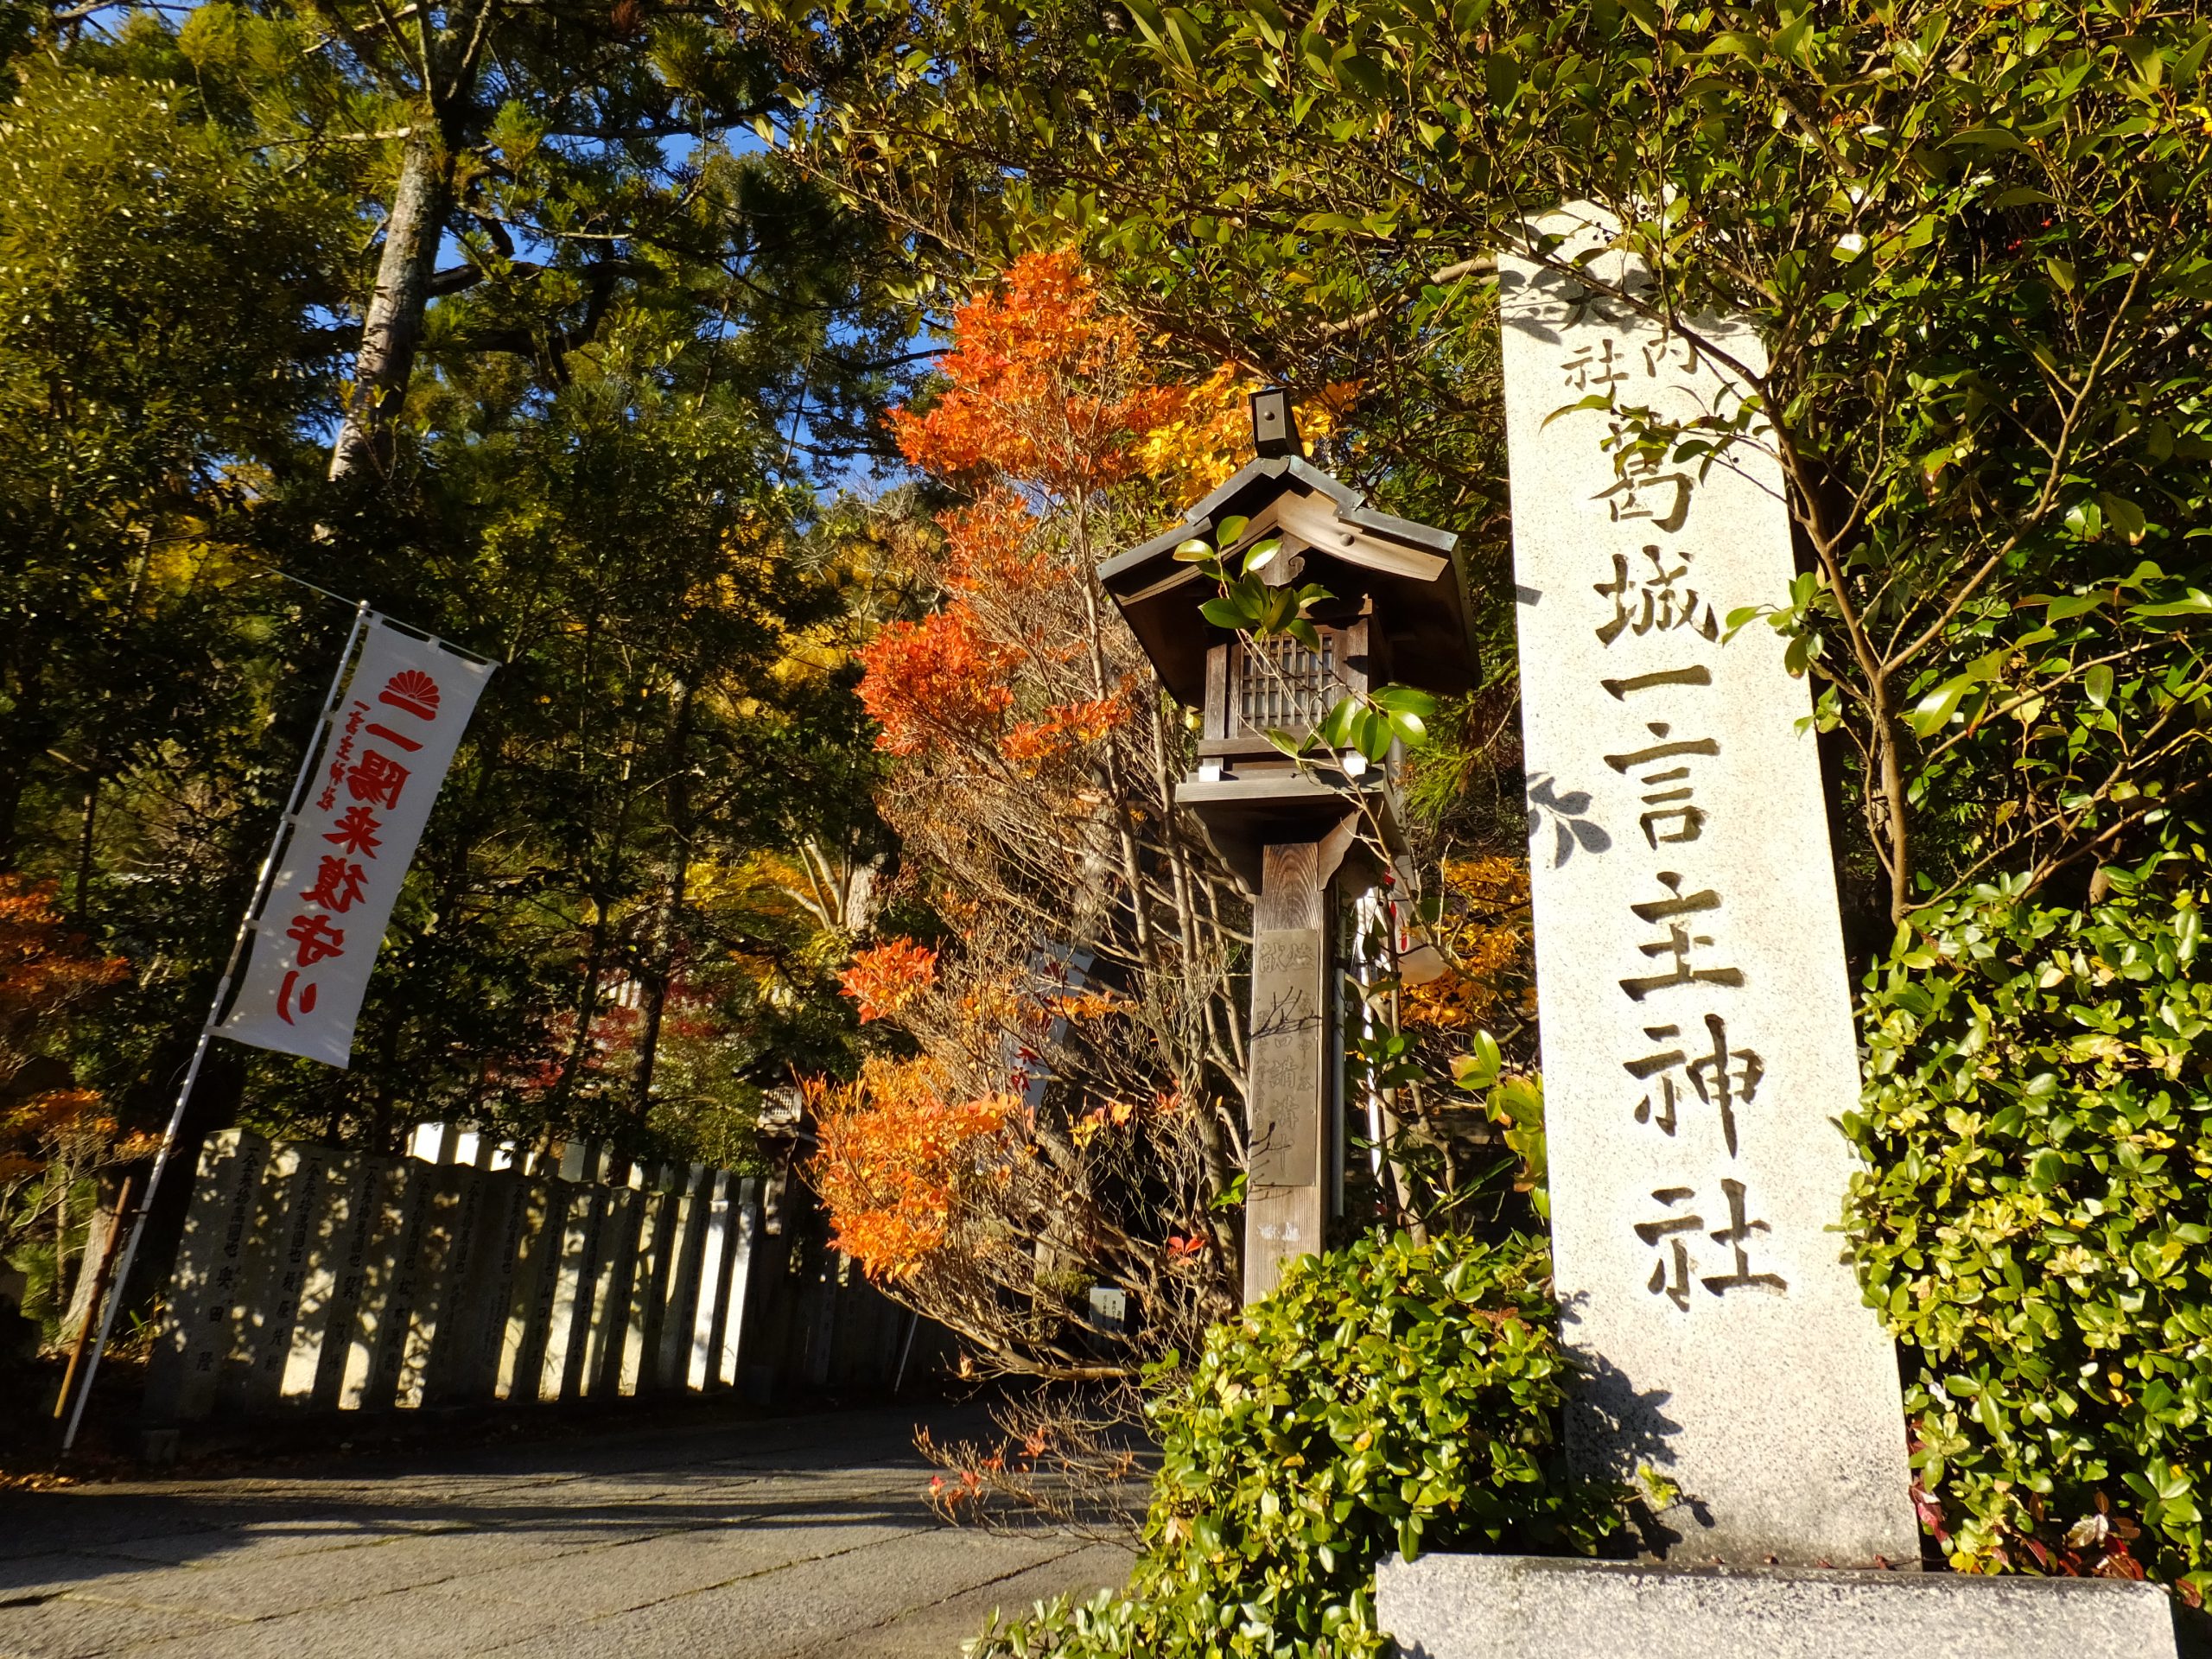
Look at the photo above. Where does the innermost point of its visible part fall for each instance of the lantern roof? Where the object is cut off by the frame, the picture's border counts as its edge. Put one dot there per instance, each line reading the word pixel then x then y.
pixel 1337 539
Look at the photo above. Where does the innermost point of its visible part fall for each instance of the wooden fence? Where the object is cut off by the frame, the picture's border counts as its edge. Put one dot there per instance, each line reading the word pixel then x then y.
pixel 312 1279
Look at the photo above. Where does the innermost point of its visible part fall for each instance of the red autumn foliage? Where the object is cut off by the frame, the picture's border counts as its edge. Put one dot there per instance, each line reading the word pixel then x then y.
pixel 988 549
pixel 894 1158
pixel 44 970
pixel 1031 787
pixel 1065 725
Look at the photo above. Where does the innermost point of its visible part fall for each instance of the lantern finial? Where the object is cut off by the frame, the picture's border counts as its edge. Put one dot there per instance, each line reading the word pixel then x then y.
pixel 1275 427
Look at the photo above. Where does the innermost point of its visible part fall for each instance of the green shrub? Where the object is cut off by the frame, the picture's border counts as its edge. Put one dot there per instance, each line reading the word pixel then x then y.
pixel 2038 1122
pixel 1393 1395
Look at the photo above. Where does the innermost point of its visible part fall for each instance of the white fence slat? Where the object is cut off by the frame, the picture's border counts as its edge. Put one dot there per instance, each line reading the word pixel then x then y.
pixel 745 1214
pixel 537 1242
pixel 386 1287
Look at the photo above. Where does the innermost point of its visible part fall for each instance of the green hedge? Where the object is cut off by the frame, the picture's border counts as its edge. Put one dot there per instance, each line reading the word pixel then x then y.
pixel 2039 1123
pixel 1389 1396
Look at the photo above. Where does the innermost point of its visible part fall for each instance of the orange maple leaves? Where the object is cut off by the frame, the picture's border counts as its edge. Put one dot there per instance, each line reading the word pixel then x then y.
pixel 885 978
pixel 1045 386
pixel 894 1159
pixel 1065 725
pixel 935 682
pixel 1047 391
pixel 988 549
pixel 1058 424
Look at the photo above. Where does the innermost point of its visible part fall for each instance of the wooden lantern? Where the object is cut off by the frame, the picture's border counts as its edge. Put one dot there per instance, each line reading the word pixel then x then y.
pixel 1398 615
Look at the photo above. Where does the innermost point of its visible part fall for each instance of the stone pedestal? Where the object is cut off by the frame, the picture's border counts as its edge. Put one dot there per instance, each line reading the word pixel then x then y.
pixel 1513 1606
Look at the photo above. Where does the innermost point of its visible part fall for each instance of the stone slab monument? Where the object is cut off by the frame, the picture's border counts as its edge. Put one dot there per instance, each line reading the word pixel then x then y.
pixel 1698 1047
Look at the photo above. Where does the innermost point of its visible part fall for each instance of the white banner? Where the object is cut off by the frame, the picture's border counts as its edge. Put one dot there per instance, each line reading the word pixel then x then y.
pixel 383 757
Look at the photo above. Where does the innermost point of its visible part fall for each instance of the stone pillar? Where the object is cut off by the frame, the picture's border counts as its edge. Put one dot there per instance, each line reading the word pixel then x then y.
pixel 1697 1037
pixel 1698 1049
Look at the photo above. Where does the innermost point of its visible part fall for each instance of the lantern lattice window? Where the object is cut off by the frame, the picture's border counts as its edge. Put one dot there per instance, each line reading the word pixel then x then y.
pixel 1280 686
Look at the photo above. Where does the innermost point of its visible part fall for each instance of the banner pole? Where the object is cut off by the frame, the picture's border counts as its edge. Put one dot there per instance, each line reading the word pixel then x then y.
pixel 361 615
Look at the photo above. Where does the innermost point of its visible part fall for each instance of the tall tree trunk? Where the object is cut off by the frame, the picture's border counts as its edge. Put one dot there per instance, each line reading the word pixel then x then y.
pixel 587 1004
pixel 659 970
pixel 394 325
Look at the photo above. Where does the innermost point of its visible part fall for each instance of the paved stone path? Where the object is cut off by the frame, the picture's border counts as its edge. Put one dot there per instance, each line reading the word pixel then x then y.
pixel 781 1538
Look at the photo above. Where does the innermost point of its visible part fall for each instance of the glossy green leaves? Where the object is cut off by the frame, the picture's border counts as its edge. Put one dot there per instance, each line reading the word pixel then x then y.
pixel 1393 1397
pixel 2033 1222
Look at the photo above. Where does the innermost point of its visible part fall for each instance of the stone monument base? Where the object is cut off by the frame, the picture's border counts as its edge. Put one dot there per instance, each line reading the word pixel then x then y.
pixel 1512 1606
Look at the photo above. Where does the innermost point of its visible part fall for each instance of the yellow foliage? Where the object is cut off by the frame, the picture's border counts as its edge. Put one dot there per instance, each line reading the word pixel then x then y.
pixel 1195 453
pixel 1488 936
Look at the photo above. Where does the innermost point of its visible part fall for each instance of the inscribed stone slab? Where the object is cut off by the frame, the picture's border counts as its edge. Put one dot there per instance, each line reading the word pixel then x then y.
pixel 468 1365
pixel 1697 1033
pixel 289 1244
pixel 211 1266
pixel 381 1287
pixel 450 1193
pixel 316 1370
